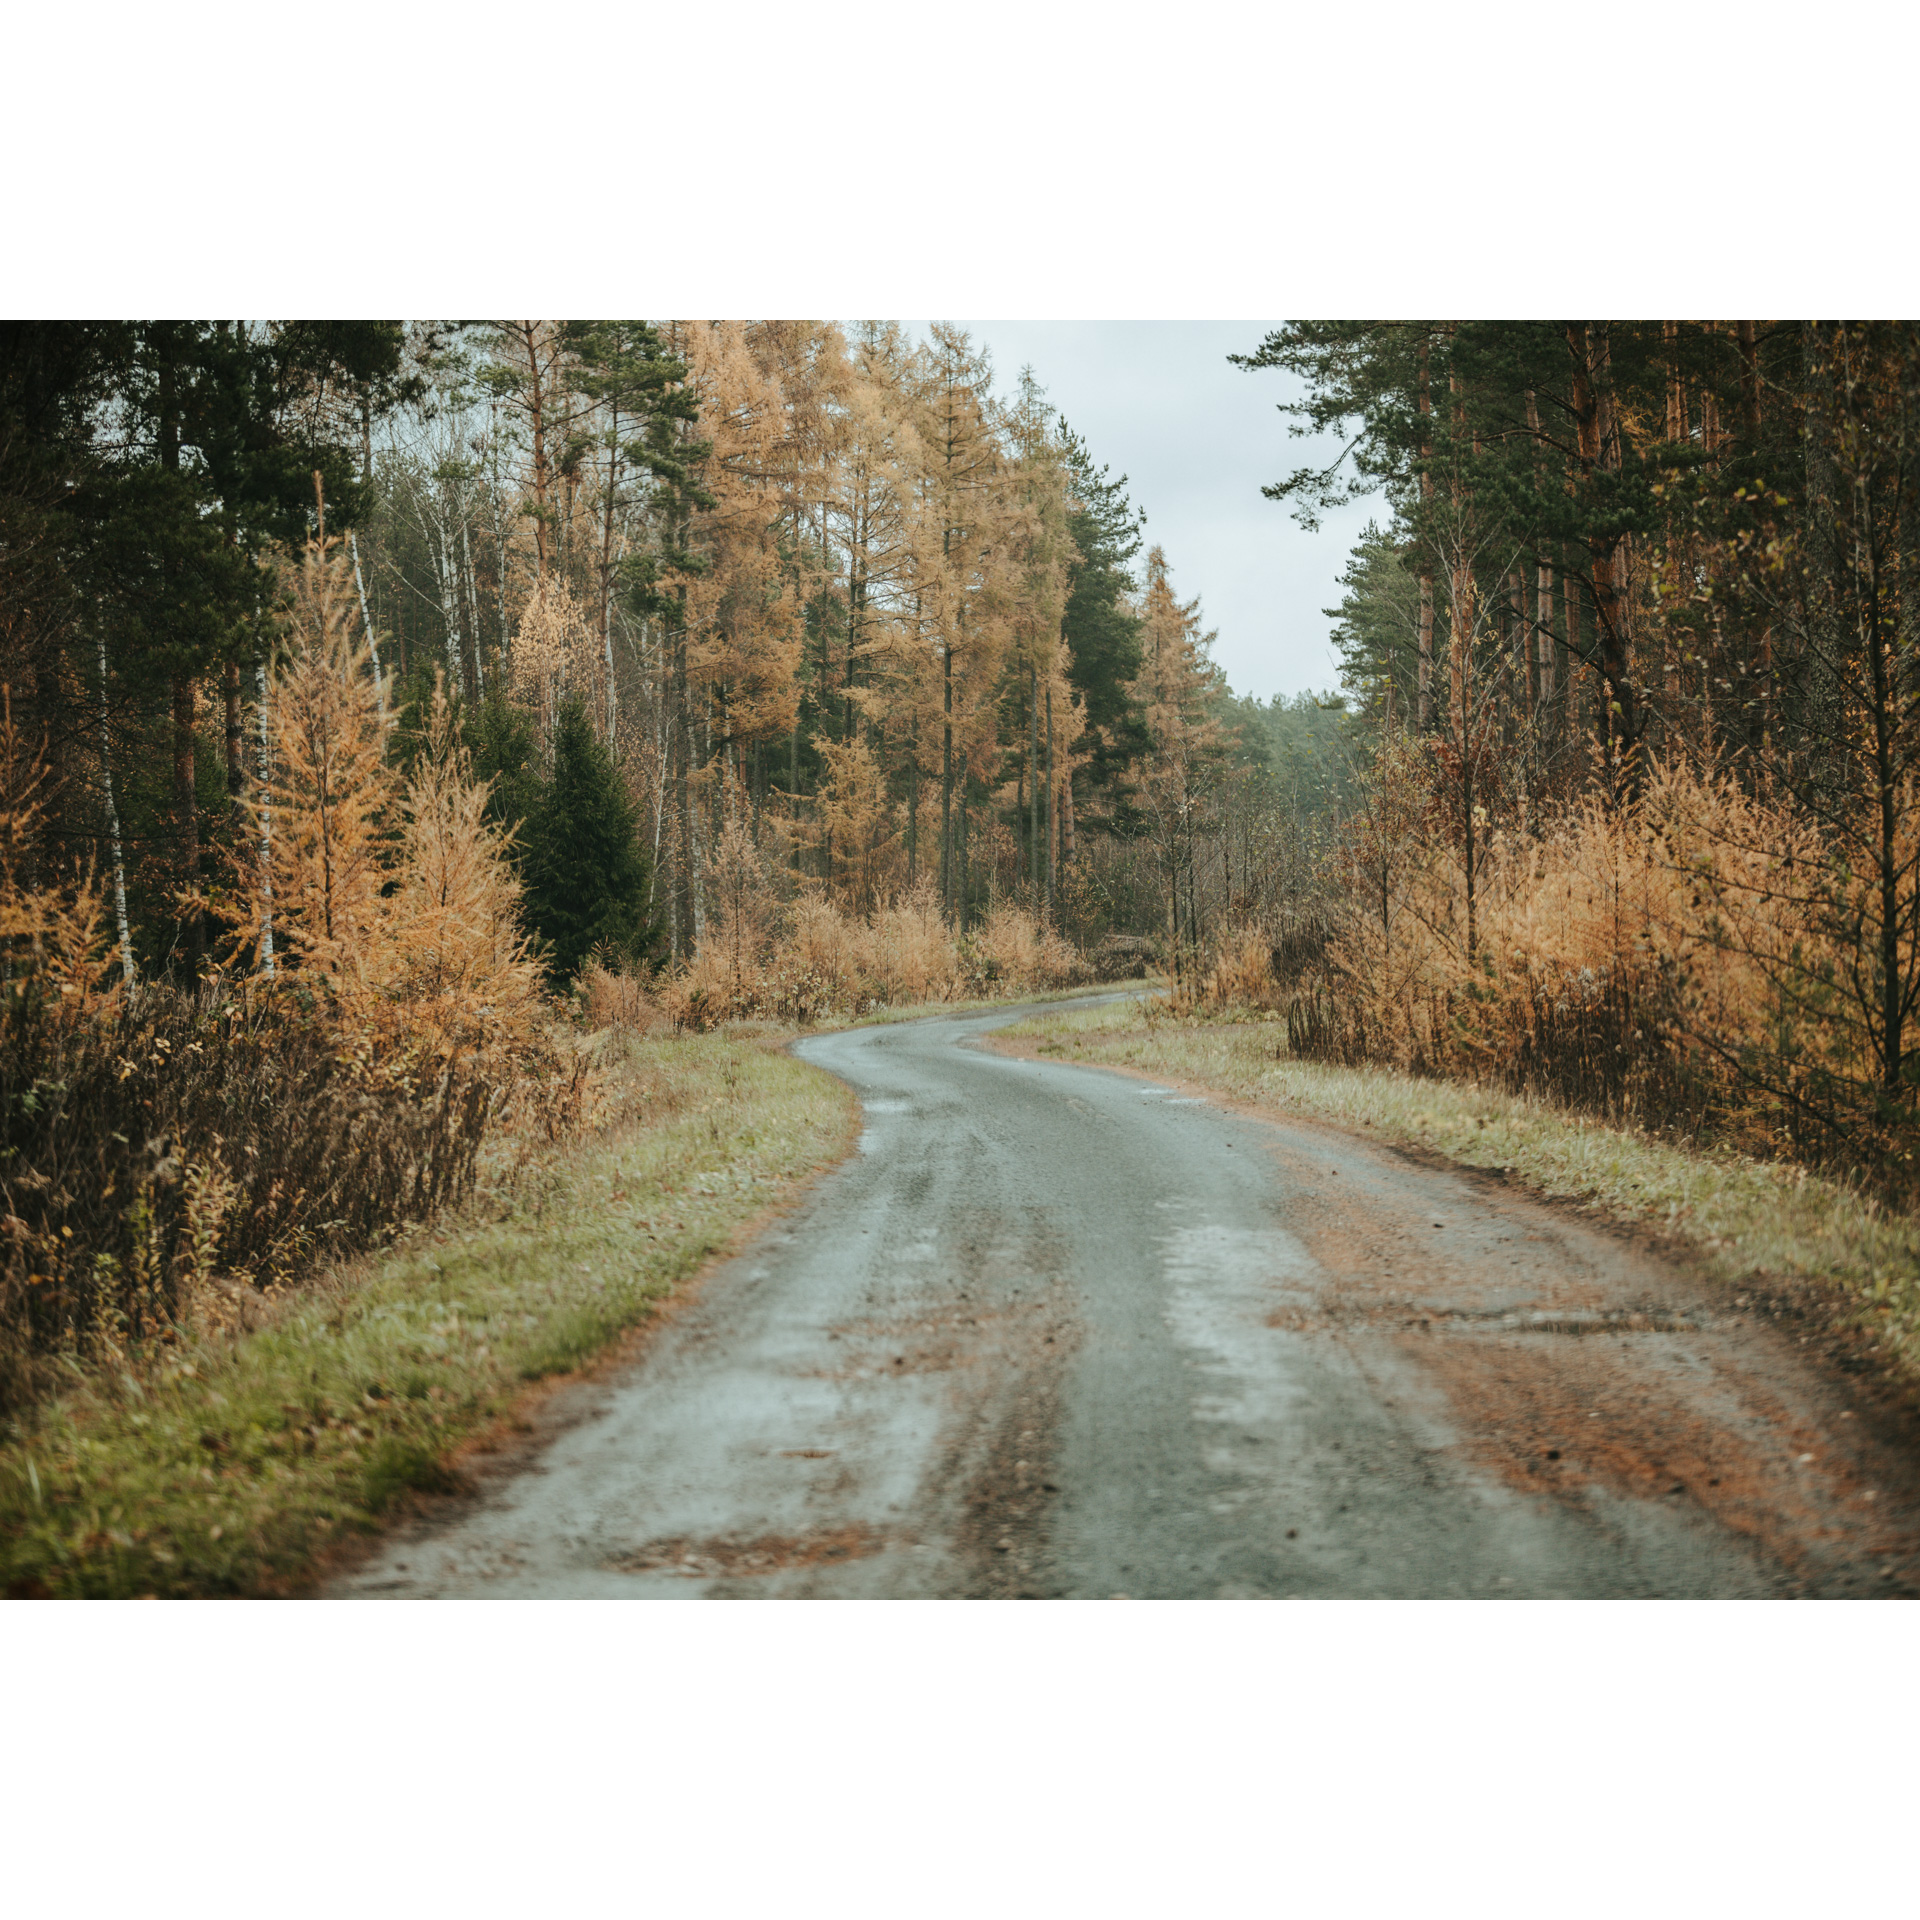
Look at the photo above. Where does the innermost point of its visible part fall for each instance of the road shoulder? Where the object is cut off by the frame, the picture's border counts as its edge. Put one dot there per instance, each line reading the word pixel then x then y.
pixel 1808 1339
pixel 261 1464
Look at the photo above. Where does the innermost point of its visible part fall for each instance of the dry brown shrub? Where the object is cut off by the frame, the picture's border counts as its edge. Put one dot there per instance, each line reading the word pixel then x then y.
pixel 912 951
pixel 610 999
pixel 50 934
pixel 819 959
pixel 1242 973
pixel 1012 951
pixel 743 896
pixel 1694 961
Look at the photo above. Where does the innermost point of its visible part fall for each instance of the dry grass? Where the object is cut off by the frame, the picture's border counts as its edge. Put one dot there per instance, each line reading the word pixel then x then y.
pixel 815 961
pixel 1740 1212
pixel 229 1464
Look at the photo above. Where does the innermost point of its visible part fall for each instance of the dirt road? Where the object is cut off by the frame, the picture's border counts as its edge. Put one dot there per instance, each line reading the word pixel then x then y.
pixel 1056 1331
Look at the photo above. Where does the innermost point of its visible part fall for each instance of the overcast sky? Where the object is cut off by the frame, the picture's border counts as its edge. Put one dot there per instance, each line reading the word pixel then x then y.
pixel 1197 439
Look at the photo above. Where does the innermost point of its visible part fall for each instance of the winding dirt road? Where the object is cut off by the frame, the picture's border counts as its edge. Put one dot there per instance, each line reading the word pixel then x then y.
pixel 1058 1331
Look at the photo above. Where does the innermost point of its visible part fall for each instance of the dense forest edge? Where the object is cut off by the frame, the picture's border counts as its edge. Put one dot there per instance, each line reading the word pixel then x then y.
pixel 388 705
pixel 394 711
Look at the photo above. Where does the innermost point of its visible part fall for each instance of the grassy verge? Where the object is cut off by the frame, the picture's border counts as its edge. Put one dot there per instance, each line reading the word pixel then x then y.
pixel 231 1465
pixel 1740 1215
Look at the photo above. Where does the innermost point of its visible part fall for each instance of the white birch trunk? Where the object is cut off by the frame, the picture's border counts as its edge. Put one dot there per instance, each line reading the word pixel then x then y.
pixel 500 546
pixel 266 824
pixel 113 830
pixel 473 608
pixel 366 627
pixel 442 550
pixel 613 704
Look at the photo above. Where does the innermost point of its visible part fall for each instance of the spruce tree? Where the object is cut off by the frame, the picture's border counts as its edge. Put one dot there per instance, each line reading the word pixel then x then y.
pixel 586 877
pixel 1101 630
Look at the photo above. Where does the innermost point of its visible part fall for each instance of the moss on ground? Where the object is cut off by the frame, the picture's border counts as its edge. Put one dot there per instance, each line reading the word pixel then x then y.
pixel 1739 1214
pixel 231 1464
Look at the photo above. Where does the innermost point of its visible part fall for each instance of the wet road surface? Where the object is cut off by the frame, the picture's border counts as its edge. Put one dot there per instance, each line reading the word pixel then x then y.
pixel 1054 1331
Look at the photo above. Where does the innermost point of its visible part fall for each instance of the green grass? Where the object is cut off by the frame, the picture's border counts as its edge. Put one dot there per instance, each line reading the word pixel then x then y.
pixel 1739 1214
pixel 229 1466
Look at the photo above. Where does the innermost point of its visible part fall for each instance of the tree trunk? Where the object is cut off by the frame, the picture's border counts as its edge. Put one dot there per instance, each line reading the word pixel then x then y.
pixel 366 627
pixel 187 815
pixel 266 819
pixel 1463 594
pixel 1426 568
pixel 913 808
pixel 1543 647
pixel 473 612
pixel 1033 778
pixel 960 860
pixel 682 798
pixel 1598 441
pixel 1050 801
pixel 606 571
pixel 113 826
pixel 499 545
pixel 1522 642
pixel 946 794
pixel 230 692
pixel 536 410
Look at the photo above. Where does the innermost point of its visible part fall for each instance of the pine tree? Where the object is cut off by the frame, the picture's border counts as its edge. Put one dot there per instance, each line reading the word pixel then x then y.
pixel 1177 781
pixel 1099 624
pixel 586 877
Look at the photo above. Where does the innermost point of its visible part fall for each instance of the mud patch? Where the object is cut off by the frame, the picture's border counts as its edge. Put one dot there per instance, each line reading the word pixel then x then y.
pixel 1560 1417
pixel 1572 1322
pixel 999 1464
pixel 726 1559
pixel 1003 1533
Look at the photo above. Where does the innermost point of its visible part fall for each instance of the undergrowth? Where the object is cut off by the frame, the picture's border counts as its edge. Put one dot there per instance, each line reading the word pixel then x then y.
pixel 234 1460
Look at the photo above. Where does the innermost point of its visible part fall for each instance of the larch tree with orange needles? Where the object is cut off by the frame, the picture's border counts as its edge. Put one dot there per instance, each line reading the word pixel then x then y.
pixel 313 866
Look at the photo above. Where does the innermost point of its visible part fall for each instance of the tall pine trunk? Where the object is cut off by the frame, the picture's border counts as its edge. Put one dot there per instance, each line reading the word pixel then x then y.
pixel 681 737
pixel 121 926
pixel 187 814
pixel 1426 564
pixel 1597 437
pixel 946 792
pixel 1050 801
pixel 1033 777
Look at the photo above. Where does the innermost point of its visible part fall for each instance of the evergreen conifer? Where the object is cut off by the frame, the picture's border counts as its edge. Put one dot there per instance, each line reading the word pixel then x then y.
pixel 586 877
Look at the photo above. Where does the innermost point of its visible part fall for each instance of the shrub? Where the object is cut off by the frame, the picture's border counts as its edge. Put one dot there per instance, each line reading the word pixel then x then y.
pixel 165 1154
pixel 1696 960
pixel 817 959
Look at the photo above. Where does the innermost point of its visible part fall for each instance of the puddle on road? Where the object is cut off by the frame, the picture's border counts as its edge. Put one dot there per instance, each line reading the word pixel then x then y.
pixel 1226 1282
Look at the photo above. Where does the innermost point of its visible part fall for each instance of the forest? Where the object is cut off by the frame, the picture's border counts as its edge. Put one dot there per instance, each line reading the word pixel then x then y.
pixel 1635 656
pixel 380 694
